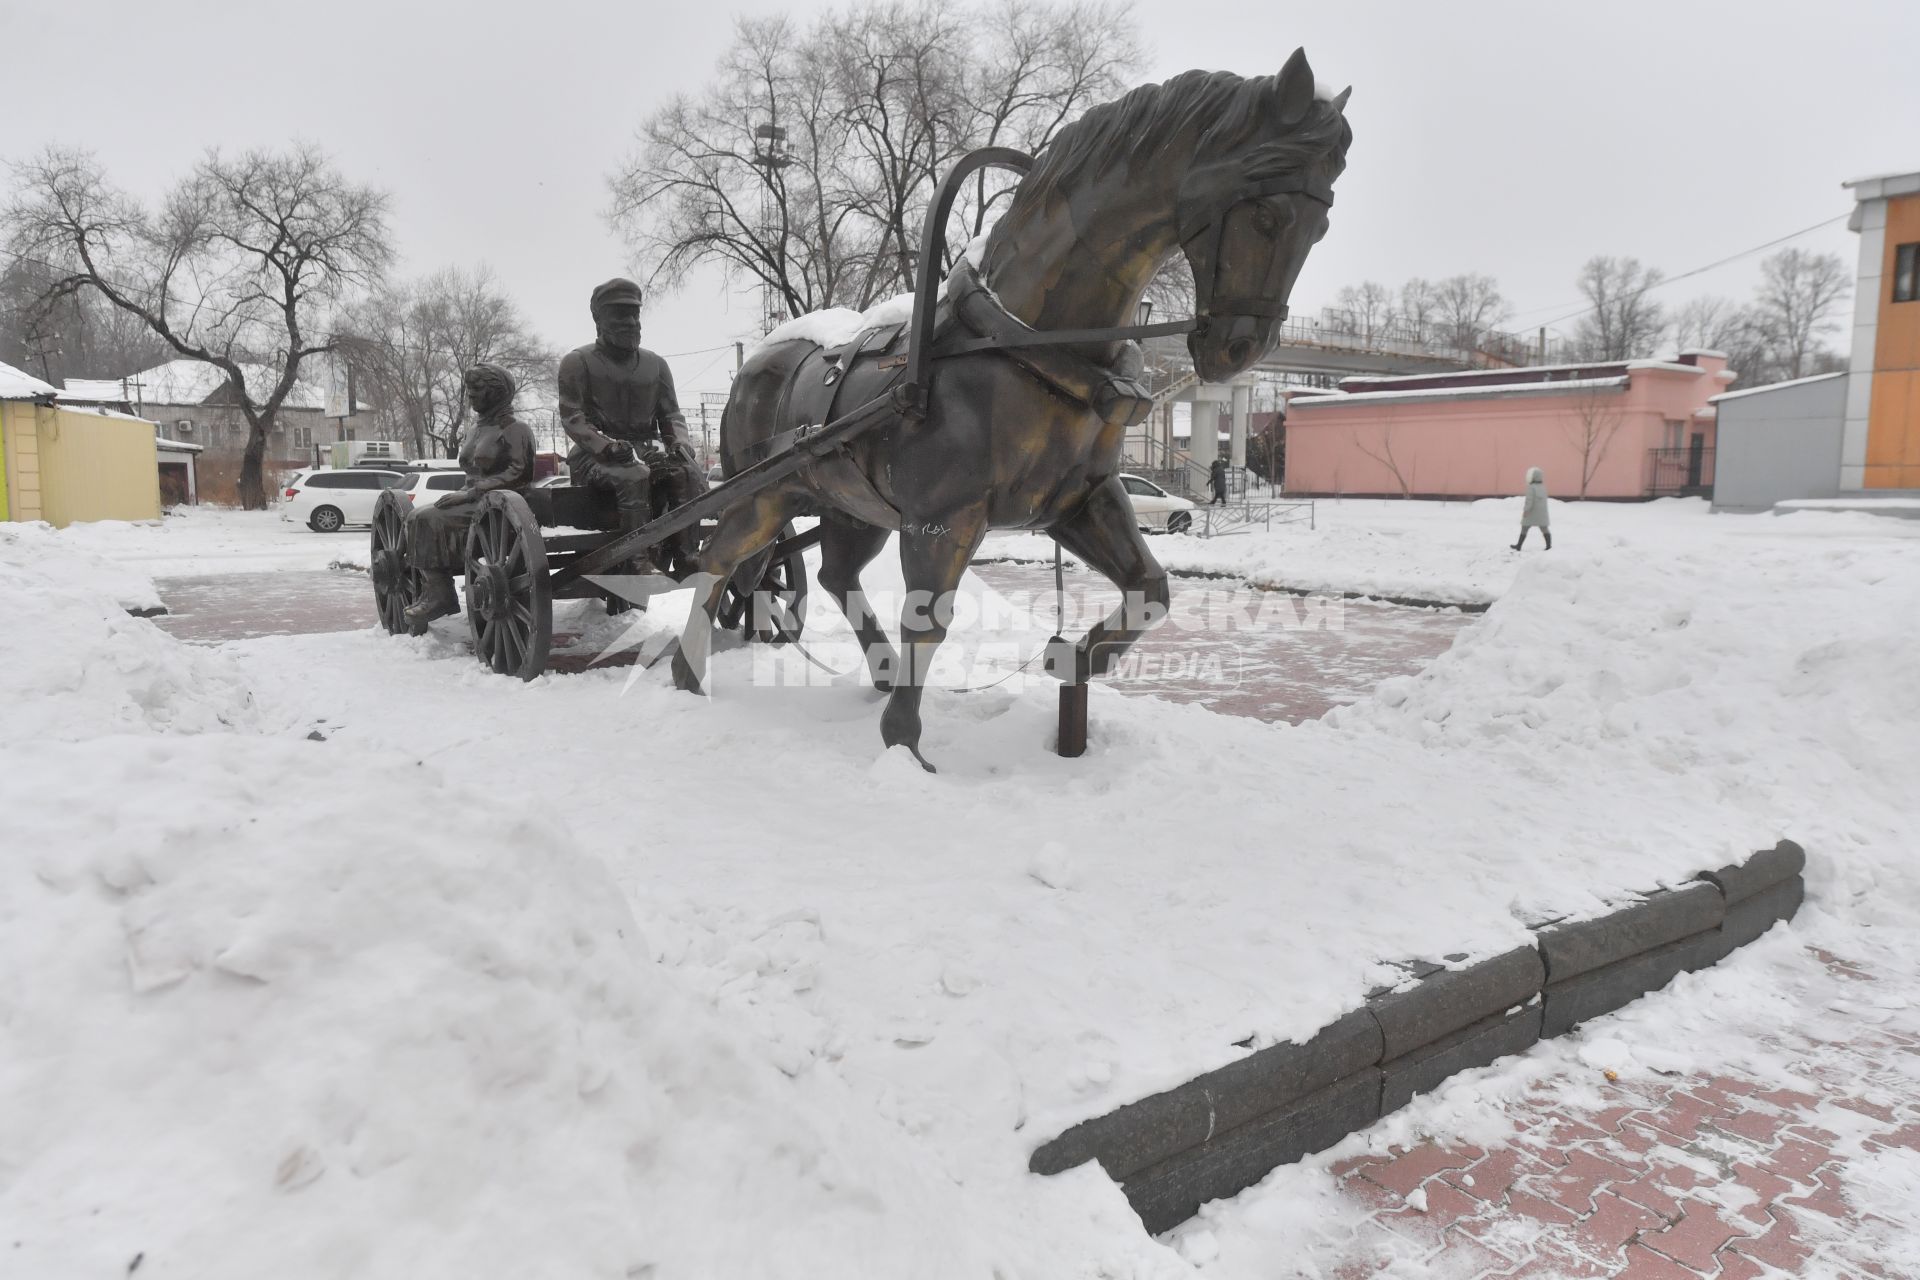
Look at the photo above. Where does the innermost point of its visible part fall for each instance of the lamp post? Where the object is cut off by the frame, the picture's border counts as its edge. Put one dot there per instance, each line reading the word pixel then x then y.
pixel 771 155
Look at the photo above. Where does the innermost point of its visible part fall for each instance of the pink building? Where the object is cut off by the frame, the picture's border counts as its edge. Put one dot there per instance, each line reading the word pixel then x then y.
pixel 1628 429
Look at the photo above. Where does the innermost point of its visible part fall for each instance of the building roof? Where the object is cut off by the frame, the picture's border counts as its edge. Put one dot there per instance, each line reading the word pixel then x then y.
pixel 18 384
pixel 95 391
pixel 165 445
pixel 1881 185
pixel 1775 386
pixel 1532 374
pixel 1506 390
pixel 194 382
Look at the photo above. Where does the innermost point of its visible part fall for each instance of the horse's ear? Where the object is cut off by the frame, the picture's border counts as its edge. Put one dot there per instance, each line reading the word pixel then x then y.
pixel 1340 99
pixel 1293 89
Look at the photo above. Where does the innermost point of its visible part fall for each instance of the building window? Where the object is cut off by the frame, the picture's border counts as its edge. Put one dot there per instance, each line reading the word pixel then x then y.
pixel 1906 273
pixel 302 437
pixel 1673 433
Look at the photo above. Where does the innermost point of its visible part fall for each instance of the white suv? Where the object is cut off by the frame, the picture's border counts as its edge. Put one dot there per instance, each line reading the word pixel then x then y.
pixel 329 500
pixel 424 488
pixel 1155 508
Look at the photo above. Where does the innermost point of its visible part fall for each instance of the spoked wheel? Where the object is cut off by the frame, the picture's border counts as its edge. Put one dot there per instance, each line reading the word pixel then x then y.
pixel 783 580
pixel 509 600
pixel 394 586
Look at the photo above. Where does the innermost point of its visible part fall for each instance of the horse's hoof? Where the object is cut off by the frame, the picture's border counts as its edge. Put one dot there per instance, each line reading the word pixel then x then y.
pixel 924 762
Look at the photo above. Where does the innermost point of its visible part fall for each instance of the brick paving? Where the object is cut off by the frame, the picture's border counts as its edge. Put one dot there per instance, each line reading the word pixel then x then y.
pixel 1719 1176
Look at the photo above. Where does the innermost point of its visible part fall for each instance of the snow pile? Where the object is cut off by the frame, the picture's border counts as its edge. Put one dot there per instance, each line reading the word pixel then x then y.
pixel 835 325
pixel 35 543
pixel 78 666
pixel 225 1026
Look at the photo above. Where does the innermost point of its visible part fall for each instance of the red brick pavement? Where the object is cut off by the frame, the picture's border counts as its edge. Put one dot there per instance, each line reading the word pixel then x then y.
pixel 1714 1177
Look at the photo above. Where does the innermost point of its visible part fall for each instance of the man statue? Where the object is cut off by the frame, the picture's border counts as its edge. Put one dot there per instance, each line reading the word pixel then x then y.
pixel 618 407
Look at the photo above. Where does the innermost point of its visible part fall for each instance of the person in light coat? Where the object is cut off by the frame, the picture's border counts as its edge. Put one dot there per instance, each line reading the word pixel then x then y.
pixel 1534 514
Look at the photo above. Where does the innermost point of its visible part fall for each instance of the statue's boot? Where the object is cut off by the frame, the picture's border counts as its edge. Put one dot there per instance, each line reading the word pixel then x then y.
pixel 437 600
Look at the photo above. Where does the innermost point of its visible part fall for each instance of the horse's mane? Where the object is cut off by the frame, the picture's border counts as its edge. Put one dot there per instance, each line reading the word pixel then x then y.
pixel 1224 111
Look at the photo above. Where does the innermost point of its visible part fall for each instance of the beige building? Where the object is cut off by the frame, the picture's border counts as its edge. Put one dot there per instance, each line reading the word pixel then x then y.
pixel 65 464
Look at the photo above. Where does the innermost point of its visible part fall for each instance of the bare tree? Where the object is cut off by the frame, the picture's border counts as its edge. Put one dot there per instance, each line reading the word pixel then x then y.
pixel 240 263
pixel 411 343
pixel 1468 306
pixel 1720 324
pixel 1592 421
pixel 1370 306
pixel 1622 322
pixel 1419 307
pixel 808 163
pixel 1384 456
pixel 1800 292
pixel 68 336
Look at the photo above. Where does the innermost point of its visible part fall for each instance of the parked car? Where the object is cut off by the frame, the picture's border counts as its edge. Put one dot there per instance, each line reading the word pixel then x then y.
pixel 329 499
pixel 424 488
pixel 1154 508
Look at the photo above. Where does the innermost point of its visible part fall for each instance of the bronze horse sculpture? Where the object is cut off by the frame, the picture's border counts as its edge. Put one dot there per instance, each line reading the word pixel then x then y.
pixel 1235 173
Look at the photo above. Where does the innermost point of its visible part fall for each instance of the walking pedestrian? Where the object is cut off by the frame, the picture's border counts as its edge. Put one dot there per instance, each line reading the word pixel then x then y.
pixel 1219 476
pixel 1534 514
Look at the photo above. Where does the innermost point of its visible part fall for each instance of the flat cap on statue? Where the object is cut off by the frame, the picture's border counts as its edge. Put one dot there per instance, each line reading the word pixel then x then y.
pixel 617 292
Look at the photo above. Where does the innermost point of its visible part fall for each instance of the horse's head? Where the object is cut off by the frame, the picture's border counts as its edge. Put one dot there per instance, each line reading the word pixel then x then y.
pixel 1254 203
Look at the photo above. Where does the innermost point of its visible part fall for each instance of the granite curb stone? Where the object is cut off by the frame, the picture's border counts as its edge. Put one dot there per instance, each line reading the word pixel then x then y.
pixel 1573 949
pixel 1565 1005
pixel 1149 1131
pixel 1479 1045
pixel 1742 880
pixel 1452 999
pixel 1172 1191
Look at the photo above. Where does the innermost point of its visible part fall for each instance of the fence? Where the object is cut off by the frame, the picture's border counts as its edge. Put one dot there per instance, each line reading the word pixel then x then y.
pixel 1682 472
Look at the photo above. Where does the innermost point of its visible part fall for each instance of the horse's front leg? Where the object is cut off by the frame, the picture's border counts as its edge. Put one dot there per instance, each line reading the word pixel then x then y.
pixel 934 553
pixel 1102 532
pixel 742 531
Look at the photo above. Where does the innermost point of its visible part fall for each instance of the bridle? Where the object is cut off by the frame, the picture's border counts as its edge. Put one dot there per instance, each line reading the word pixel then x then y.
pixel 1208 223
pixel 1210 217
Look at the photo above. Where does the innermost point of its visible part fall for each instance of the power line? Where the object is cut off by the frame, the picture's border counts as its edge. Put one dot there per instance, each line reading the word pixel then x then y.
pixel 1684 275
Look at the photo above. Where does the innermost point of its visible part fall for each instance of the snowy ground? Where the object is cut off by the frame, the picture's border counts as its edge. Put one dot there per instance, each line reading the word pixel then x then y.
pixel 336 939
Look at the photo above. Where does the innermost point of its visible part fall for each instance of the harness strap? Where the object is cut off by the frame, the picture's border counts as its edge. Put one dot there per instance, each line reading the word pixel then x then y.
pixel 1039 353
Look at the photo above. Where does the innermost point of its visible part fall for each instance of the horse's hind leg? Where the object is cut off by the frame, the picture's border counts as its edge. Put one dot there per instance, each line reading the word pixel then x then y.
pixel 1103 533
pixel 743 530
pixel 845 549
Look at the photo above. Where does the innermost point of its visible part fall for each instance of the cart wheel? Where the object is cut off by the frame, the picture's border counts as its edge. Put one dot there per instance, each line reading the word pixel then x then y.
pixel 395 584
pixel 784 579
pixel 509 599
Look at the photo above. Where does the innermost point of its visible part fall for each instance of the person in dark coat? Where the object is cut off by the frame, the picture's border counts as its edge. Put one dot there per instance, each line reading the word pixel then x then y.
pixel 497 454
pixel 618 405
pixel 1219 476
pixel 1534 514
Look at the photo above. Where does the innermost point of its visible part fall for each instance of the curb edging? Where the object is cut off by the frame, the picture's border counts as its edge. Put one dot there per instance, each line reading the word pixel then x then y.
pixel 1223 1131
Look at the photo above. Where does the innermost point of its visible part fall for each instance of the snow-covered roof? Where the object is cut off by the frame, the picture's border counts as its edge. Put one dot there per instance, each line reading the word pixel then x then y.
pixel 165 445
pixel 194 382
pixel 1775 386
pixel 1300 400
pixel 18 384
pixel 94 391
pixel 1879 186
pixel 104 412
pixel 1528 371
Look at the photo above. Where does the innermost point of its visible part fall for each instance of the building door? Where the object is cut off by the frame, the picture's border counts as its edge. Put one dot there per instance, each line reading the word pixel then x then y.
pixel 1696 453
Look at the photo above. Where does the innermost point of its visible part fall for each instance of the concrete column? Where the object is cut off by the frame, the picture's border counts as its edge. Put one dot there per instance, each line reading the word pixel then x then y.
pixel 1871 216
pixel 1205 445
pixel 1242 414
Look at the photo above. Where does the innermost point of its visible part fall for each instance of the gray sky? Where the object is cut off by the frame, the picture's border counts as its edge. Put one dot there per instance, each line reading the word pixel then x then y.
pixel 1514 139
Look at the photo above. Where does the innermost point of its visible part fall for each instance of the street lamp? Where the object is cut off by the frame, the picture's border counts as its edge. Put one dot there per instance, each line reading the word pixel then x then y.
pixel 771 154
pixel 1143 312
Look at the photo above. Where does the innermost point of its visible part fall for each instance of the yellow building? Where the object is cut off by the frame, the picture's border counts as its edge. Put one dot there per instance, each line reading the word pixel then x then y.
pixel 63 465
pixel 1880 442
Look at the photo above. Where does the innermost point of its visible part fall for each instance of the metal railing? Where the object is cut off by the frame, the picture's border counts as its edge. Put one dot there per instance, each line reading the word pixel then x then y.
pixel 1235 517
pixel 1681 472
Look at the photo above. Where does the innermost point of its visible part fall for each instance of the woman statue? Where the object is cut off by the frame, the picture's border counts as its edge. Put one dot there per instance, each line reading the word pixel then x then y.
pixel 1534 514
pixel 498 454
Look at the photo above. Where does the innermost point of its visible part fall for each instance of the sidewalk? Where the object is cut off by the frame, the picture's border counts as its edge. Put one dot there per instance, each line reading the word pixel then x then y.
pixel 1733 1175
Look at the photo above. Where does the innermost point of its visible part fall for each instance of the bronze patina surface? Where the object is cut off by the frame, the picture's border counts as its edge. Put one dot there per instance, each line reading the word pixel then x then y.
pixel 1234 173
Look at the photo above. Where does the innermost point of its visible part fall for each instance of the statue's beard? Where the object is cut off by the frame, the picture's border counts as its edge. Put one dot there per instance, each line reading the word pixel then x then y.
pixel 619 342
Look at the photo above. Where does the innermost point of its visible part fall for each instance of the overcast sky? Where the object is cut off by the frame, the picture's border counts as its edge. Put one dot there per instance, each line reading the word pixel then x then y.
pixel 1514 139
